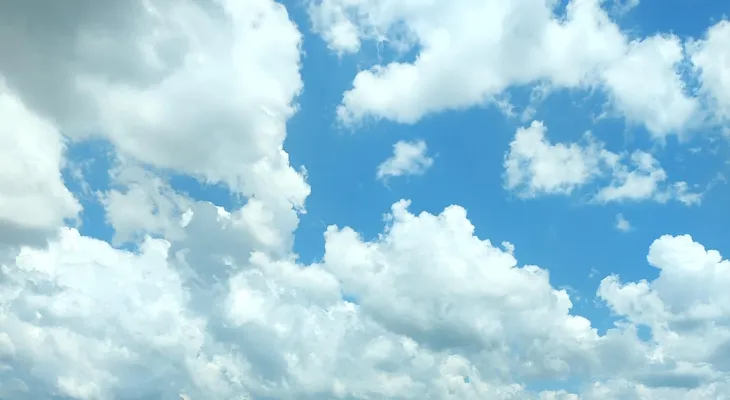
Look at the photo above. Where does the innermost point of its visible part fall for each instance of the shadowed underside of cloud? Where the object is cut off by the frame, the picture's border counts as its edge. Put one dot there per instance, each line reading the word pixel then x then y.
pixel 213 303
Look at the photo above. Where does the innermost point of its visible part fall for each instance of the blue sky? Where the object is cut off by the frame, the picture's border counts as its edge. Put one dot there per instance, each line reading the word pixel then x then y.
pixel 127 192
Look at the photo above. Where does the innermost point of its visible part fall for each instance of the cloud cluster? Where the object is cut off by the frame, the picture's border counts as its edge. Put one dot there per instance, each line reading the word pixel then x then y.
pixel 33 198
pixel 534 166
pixel 203 88
pixel 469 52
pixel 212 303
pixel 434 312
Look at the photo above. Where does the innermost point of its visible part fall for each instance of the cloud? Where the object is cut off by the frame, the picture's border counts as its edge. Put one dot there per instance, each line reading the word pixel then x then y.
pixel 686 309
pixel 204 88
pixel 438 312
pixel 141 204
pixel 710 57
pixel 409 158
pixel 622 223
pixel 460 64
pixel 33 198
pixel 646 181
pixel 645 86
pixel 535 166
pixel 196 88
pixel 640 183
pixel 192 88
pixel 624 6
pixel 540 167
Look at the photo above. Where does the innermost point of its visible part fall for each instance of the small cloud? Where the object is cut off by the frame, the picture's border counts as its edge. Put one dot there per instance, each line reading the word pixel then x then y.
pixel 641 179
pixel 624 6
pixel 622 223
pixel 508 247
pixel 409 158
pixel 505 106
pixel 536 166
pixel 533 165
pixel 684 195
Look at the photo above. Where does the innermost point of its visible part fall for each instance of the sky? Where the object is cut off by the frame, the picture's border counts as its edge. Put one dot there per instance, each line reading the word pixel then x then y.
pixel 364 199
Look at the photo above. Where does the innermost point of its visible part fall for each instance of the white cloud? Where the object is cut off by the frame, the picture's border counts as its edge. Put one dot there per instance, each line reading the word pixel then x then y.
pixel 440 313
pixel 640 183
pixel 461 64
pixel 342 35
pixel 204 88
pixel 535 166
pixel 199 88
pixel 710 57
pixel 624 6
pixel 687 309
pixel 196 88
pixel 409 158
pixel 646 181
pixel 91 313
pixel 646 87
pixel 622 223
pixel 33 198
pixel 683 194
pixel 142 204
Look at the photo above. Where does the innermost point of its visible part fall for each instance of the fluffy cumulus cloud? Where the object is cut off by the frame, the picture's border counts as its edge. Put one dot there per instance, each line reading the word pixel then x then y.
pixel 686 308
pixel 471 51
pixel 192 300
pixel 140 203
pixel 710 57
pixel 33 199
pixel 204 88
pixel 535 166
pixel 437 313
pixel 409 158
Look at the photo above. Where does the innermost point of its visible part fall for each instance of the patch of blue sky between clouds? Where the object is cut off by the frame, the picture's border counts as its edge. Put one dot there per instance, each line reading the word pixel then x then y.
pixel 87 176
